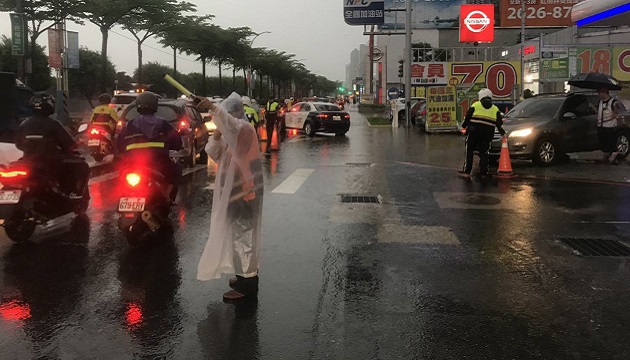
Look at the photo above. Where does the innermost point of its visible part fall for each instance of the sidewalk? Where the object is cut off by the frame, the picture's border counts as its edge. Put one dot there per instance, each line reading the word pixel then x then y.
pixel 447 150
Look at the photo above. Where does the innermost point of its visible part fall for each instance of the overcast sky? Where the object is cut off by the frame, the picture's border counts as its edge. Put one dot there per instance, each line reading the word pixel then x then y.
pixel 312 30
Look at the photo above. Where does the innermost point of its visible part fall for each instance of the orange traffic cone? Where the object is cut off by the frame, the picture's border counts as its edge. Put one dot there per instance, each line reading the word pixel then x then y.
pixel 505 165
pixel 274 139
pixel 262 133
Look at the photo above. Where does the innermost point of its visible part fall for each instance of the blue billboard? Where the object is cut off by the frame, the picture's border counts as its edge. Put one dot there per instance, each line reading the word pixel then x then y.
pixel 426 14
pixel 364 12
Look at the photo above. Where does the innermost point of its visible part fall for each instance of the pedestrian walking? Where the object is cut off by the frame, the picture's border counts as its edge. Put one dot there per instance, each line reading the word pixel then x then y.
pixel 233 245
pixel 271 116
pixel 480 121
pixel 607 111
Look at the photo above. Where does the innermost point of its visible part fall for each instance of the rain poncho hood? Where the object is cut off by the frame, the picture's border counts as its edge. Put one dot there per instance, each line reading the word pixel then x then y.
pixel 233 245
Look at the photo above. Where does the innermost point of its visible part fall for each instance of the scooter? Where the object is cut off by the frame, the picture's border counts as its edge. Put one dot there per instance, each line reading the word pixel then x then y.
pixel 29 196
pixel 144 206
pixel 100 142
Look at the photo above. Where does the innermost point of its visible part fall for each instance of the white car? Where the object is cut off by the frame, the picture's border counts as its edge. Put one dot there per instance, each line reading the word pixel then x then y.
pixel 400 106
pixel 315 117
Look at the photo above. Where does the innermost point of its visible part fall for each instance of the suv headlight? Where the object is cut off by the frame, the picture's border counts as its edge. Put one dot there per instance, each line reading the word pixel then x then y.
pixel 522 132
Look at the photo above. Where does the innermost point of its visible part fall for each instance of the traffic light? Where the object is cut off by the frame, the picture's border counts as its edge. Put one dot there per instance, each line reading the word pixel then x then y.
pixel 401 68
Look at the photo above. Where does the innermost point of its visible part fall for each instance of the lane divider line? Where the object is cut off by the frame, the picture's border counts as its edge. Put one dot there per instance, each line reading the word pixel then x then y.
pixel 293 183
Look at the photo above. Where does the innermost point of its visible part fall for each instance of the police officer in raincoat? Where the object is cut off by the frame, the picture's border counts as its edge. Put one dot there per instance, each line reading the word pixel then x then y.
pixel 233 245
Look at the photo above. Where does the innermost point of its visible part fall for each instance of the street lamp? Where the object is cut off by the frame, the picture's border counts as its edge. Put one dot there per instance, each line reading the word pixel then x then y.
pixel 249 70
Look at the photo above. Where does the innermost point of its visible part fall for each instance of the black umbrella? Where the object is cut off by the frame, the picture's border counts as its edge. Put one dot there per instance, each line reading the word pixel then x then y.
pixel 595 81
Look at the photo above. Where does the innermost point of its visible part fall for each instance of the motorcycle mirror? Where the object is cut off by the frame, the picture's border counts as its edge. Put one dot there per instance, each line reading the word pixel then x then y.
pixel 83 127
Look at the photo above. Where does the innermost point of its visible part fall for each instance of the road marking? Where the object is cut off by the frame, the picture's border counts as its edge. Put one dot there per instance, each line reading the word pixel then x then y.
pixel 293 183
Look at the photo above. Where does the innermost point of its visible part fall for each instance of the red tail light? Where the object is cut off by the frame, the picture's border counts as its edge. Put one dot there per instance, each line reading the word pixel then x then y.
pixel 112 106
pixel 133 179
pixel 346 116
pixel 12 174
pixel 322 116
pixel 94 131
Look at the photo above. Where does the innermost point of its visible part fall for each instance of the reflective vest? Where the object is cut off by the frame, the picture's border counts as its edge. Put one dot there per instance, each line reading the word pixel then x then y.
pixel 484 116
pixel 251 114
pixel 103 115
pixel 272 107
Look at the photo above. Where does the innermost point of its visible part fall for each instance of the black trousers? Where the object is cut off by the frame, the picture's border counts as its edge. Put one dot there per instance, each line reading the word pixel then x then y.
pixel 270 120
pixel 478 140
pixel 607 139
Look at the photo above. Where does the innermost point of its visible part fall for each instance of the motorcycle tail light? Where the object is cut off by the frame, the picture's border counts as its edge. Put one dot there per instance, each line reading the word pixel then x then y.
pixel 94 132
pixel 133 179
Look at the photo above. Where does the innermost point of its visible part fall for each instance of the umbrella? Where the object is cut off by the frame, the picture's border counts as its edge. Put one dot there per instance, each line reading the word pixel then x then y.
pixel 595 81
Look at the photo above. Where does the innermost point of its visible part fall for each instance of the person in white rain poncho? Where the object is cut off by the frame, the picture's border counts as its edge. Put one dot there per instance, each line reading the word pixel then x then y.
pixel 233 245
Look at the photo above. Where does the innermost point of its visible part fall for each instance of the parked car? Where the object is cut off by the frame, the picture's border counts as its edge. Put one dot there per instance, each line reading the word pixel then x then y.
pixel 546 127
pixel 400 107
pixel 183 115
pixel 312 117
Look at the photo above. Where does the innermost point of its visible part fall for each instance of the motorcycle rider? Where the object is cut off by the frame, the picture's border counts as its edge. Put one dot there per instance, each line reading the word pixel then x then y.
pixel 147 139
pixel 105 116
pixel 50 148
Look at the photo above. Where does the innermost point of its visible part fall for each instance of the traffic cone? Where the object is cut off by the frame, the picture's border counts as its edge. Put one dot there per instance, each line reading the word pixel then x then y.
pixel 274 139
pixel 262 133
pixel 505 165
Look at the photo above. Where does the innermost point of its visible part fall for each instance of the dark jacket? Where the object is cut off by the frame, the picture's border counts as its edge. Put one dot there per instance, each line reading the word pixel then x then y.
pixel 43 137
pixel 151 134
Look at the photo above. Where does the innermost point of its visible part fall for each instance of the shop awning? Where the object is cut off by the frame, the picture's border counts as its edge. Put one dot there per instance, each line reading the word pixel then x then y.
pixel 601 13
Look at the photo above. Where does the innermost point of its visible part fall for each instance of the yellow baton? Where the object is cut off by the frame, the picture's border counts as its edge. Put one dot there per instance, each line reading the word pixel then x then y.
pixel 178 86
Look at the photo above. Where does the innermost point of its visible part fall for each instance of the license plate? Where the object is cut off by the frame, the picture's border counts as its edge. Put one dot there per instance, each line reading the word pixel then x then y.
pixel 131 204
pixel 10 196
pixel 336 117
pixel 94 142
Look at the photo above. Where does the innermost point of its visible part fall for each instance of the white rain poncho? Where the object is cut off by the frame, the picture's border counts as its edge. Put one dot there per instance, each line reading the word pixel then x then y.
pixel 233 245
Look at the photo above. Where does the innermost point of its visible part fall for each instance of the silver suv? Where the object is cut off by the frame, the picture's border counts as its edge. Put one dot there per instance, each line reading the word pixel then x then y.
pixel 545 127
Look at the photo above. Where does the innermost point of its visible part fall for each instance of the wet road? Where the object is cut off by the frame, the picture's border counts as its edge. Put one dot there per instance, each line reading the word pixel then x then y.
pixel 442 268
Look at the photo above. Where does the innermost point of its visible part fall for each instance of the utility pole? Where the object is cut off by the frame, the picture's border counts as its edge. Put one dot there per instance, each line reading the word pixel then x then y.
pixel 371 60
pixel 19 6
pixel 523 15
pixel 408 61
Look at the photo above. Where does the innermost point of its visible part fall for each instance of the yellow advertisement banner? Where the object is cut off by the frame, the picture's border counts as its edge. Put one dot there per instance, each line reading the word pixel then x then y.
pixel 621 61
pixel 441 108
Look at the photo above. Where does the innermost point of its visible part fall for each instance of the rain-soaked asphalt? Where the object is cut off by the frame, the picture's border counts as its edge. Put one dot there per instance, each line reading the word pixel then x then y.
pixel 441 269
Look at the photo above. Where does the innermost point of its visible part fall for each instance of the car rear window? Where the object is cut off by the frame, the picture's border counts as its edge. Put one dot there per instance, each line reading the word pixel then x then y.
pixel 536 107
pixel 326 107
pixel 166 112
pixel 123 99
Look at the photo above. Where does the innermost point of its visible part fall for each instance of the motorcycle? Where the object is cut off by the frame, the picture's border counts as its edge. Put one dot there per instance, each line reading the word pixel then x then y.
pixel 30 196
pixel 144 206
pixel 100 142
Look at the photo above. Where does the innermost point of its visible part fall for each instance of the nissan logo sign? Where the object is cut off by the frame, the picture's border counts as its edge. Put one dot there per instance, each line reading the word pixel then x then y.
pixel 477 21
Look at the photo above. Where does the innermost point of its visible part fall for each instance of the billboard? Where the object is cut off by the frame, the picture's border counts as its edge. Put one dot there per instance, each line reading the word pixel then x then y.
pixel 363 12
pixel 18 38
pixel 426 14
pixel 429 73
pixel 539 13
pixel 476 23
pixel 54 49
pixel 73 50
pixel 441 109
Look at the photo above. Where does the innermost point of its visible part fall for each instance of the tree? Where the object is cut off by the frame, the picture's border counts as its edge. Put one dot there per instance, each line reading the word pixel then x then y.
pixel 106 14
pixel 40 80
pixel 42 15
pixel 205 44
pixel 180 36
pixel 85 80
pixel 154 77
pixel 151 20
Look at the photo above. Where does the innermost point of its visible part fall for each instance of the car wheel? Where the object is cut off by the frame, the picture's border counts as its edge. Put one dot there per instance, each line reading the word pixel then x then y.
pixel 623 145
pixel 19 229
pixel 308 129
pixel 545 153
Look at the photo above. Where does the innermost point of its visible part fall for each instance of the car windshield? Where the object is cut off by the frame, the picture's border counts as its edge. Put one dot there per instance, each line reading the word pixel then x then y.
pixel 165 112
pixel 123 99
pixel 326 107
pixel 536 107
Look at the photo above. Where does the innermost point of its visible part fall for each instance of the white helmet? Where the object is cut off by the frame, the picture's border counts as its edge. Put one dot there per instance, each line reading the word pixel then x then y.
pixel 484 93
pixel 247 101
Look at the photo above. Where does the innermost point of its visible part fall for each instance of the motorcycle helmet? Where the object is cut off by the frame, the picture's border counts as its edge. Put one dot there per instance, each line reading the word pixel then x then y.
pixel 147 103
pixel 104 99
pixel 43 104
